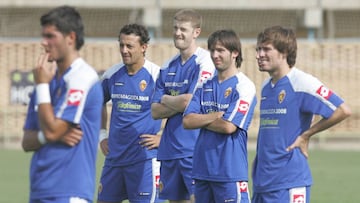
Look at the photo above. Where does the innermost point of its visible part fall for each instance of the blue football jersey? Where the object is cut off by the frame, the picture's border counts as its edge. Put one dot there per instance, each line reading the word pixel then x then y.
pixel 58 170
pixel 286 111
pixel 223 157
pixel 176 79
pixel 131 97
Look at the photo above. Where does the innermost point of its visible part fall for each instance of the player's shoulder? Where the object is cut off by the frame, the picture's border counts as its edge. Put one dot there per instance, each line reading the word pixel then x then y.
pixel 112 70
pixel 152 68
pixel 168 62
pixel 80 68
pixel 244 82
pixel 302 81
pixel 202 55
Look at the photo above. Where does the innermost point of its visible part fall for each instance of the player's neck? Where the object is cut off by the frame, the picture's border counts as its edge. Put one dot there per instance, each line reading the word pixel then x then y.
pixel 227 73
pixel 132 69
pixel 187 53
pixel 279 73
pixel 66 62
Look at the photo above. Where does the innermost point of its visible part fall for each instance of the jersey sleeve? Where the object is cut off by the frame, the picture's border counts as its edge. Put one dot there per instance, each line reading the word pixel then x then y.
pixel 159 88
pixel 79 82
pixel 241 108
pixel 206 69
pixel 194 105
pixel 31 120
pixel 315 97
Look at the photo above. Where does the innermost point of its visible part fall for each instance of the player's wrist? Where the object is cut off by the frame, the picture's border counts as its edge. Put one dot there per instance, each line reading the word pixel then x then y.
pixel 103 134
pixel 43 93
pixel 41 138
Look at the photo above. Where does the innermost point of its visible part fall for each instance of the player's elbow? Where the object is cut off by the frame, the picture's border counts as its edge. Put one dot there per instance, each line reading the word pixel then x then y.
pixel 347 111
pixel 155 115
pixel 25 146
pixel 28 145
pixel 229 128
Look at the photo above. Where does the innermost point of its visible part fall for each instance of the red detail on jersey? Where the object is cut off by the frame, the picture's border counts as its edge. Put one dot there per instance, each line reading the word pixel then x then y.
pixel 243 107
pixel 205 75
pixel 243 186
pixel 74 97
pixel 298 198
pixel 324 92
pixel 157 181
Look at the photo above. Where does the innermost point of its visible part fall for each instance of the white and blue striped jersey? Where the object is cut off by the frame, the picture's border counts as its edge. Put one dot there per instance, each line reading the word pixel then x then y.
pixel 58 170
pixel 223 157
pixel 131 97
pixel 176 79
pixel 286 111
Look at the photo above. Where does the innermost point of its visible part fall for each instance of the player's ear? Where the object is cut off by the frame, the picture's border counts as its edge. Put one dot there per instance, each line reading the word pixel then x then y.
pixel 71 38
pixel 197 32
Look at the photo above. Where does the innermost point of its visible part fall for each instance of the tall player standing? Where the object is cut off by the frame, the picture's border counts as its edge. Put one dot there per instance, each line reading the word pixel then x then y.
pixel 130 170
pixel 289 99
pixel 223 108
pixel 63 122
pixel 177 81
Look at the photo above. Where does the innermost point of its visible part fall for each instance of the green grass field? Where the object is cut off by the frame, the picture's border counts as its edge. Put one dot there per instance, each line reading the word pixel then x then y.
pixel 336 176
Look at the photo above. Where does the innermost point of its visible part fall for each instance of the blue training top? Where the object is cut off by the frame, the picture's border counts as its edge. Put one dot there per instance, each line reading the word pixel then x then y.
pixel 131 97
pixel 176 79
pixel 58 170
pixel 223 157
pixel 286 111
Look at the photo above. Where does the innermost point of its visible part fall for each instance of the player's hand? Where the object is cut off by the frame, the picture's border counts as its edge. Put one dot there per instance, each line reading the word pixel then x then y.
pixel 150 141
pixel 73 136
pixel 104 146
pixel 302 143
pixel 45 70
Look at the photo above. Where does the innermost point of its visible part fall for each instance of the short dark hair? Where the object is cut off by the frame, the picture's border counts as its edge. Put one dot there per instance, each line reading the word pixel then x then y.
pixel 230 40
pixel 283 40
pixel 66 19
pixel 138 30
pixel 189 15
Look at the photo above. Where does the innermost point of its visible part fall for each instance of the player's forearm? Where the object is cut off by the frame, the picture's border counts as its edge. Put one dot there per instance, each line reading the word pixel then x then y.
pixel 52 127
pixel 104 117
pixel 341 113
pixel 160 111
pixel 194 120
pixel 222 126
pixel 178 103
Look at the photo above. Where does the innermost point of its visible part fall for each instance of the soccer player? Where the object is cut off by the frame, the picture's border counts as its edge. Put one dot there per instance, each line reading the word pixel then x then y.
pixel 63 123
pixel 178 79
pixel 289 100
pixel 130 170
pixel 223 108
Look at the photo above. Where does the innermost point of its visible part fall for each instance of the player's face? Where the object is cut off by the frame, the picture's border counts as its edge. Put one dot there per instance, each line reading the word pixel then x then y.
pixel 184 34
pixel 55 43
pixel 222 58
pixel 132 52
pixel 269 59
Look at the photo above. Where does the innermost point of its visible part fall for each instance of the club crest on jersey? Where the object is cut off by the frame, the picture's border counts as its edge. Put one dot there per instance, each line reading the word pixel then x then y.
pixel 281 96
pixel 228 92
pixel 324 92
pixel 74 97
pixel 243 107
pixel 143 85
